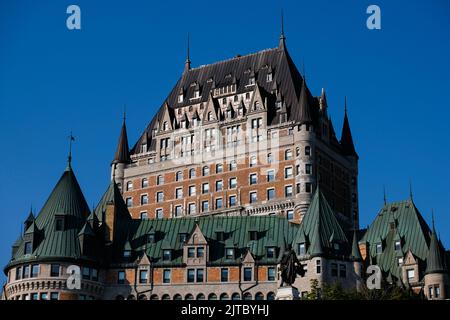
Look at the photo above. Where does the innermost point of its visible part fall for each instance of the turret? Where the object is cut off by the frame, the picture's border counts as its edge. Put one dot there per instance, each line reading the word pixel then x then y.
pixel 121 158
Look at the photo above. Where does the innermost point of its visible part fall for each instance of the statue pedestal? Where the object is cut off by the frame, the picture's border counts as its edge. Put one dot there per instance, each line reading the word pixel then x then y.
pixel 287 293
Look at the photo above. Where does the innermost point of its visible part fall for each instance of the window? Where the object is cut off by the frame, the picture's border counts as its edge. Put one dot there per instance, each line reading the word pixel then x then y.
pixel 224 275
pixel 192 191
pixel 247 274
pixel 270 194
pixel 397 245
pixel 233 165
pixel 178 211
pixel 126 253
pixel 26 272
pixel 165 126
pixel 229 253
pixel 288 154
pixel 54 296
pixel 44 296
pixel 59 224
pixel 167 255
pixel 205 188
pixel 210 117
pixel 200 252
pixel 190 275
pixel 269 77
pixel 143 276
pixel 129 185
pixel 233 183
pixel 28 247
pixel 342 271
pixel 253 197
pixel 191 252
pixel 144 183
pixel 232 201
pixel 334 270
pixel 191 208
pixel 121 277
pixel 166 276
pixel 410 274
pixel 219 203
pixel 379 248
pixel 192 173
pixel 288 191
pixel 200 275
pixel 94 274
pixel 270 175
pixel 271 274
pixel 290 214
pixel 270 252
pixel 87 273
pixel 253 178
pixel 144 215
pixel 129 202
pixel 297 187
pixel 144 199
pixel 205 171
pixel 253 235
pixel 151 238
pixel 54 270
pixel 308 168
pixel 178 193
pixel 307 151
pixel 269 158
pixel 288 173
pixel 159 214
pixel 301 249
pixel 219 185
pixel 34 270
pixel 437 291
pixel 253 161
pixel 34 296
pixel 247 96
pixel 205 206
pixel 318 266
pixel 219 168
pixel 160 180
pixel 399 261
pixel 179 176
pixel 308 187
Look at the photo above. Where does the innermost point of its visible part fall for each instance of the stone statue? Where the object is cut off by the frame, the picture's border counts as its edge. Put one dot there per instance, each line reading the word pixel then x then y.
pixel 290 267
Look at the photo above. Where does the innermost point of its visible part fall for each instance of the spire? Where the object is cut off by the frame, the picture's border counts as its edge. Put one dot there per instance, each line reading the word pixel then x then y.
pixel 122 152
pixel 305 108
pixel 435 258
pixel 384 195
pixel 282 42
pixel 69 158
pixel 187 63
pixel 410 190
pixel 346 136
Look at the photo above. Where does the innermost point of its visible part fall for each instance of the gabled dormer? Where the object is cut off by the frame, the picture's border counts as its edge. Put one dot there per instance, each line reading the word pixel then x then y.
pixel 248 267
pixel 210 113
pixel 257 103
pixel 166 120
pixel 31 239
pixel 86 239
pixel 196 249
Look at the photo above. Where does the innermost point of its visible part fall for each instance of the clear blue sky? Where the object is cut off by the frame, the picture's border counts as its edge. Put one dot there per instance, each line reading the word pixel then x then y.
pixel 53 80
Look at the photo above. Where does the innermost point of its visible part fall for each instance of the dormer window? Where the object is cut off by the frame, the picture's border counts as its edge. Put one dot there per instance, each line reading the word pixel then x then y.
pixel 220 236
pixel 269 77
pixel 180 98
pixel 167 255
pixel 183 237
pixel 196 94
pixel 151 238
pixel 251 81
pixel 397 245
pixel 183 124
pixel 270 252
pixel 301 249
pixel 127 253
pixel 229 253
pixel 28 247
pixel 278 105
pixel 336 246
pixel 210 116
pixel 253 235
pixel 59 224
pixel 165 126
pixel 379 248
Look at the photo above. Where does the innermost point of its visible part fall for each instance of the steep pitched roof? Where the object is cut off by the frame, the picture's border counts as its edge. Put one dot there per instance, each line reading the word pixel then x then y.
pixel 122 154
pixel 346 137
pixel 435 257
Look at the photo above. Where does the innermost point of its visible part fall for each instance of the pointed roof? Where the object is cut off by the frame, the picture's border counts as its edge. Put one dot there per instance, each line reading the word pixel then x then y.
pixel 305 114
pixel 122 152
pixel 30 218
pixel 282 42
pixel 113 196
pixel 187 63
pixel 346 137
pixel 435 257
pixel 86 230
pixel 356 254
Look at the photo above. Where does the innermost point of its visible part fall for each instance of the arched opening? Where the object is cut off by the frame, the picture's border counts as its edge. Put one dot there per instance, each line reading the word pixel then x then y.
pixel 247 296
pixel 270 296
pixel 119 297
pixel 200 296
pixel 177 297
pixel 224 296
pixel 259 296
pixel 165 297
pixel 189 297
pixel 154 297
pixel 212 296
pixel 235 296
pixel 142 297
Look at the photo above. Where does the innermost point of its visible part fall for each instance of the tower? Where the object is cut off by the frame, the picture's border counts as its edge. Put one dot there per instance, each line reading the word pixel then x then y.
pixel 121 158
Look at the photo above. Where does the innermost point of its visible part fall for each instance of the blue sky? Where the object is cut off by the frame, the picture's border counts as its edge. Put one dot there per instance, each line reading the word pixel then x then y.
pixel 53 80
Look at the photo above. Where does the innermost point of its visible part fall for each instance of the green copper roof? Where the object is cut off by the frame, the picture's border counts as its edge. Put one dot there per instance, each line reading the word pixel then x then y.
pixel 356 254
pixel 435 258
pixel 321 228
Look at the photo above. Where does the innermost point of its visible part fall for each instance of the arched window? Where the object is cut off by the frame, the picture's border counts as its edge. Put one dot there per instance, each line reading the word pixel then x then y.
pixel 200 296
pixel 160 180
pixel 235 296
pixel 212 296
pixel 144 183
pixel 165 126
pixel 288 154
pixel 129 185
pixel 307 151
pixel 191 173
pixel 177 297
pixel 142 297
pixel 205 170
pixel 154 297
pixel 224 296
pixel 259 296
pixel 189 297
pixel 119 297
pixel 253 161
pixel 233 165
pixel 210 117
pixel 256 105
pixel 165 297
pixel 131 297
pixel 219 168
pixel 179 176
pixel 270 296
pixel 247 296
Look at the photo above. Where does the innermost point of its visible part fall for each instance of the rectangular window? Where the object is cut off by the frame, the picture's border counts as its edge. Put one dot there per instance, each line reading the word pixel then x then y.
pixel 26 272
pixel 44 296
pixel 342 271
pixel 191 208
pixel 308 168
pixel 200 252
pixel 28 247
pixel 205 188
pixel 270 194
pixel 54 270
pixel 301 249
pixel 143 274
pixel 94 275
pixel 270 175
pixel 86 273
pixel 144 199
pixel 334 270
pixel 129 202
pixel 308 187
pixel 205 206
pixel 159 214
pixel 191 191
pixel 379 248
pixel 318 266
pixel 219 185
pixel 59 224
pixel 253 197
pixel 166 276
pixel 190 275
pixel 178 211
pixel 160 196
pixel 179 193
pixel 191 252
pixel 253 179
pixel 167 255
pixel 232 201
pixel 229 253
pixel 19 273
pixel 34 296
pixel 397 245
pixel 410 274
pixel 34 270
pixel 200 275
pixel 144 215
pixel 247 274
pixel 288 173
pixel 54 296
pixel 233 183
pixel 437 292
pixel 219 203
pixel 271 274
pixel 288 192
pixel 121 277
pixel 290 214
pixel 224 275
pixel 219 168
pixel 270 252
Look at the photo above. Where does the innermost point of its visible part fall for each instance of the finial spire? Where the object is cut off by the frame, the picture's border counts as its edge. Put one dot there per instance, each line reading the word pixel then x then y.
pixel 384 195
pixel 69 158
pixel 410 190
pixel 124 113
pixel 187 64
pixel 432 219
pixel 282 37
